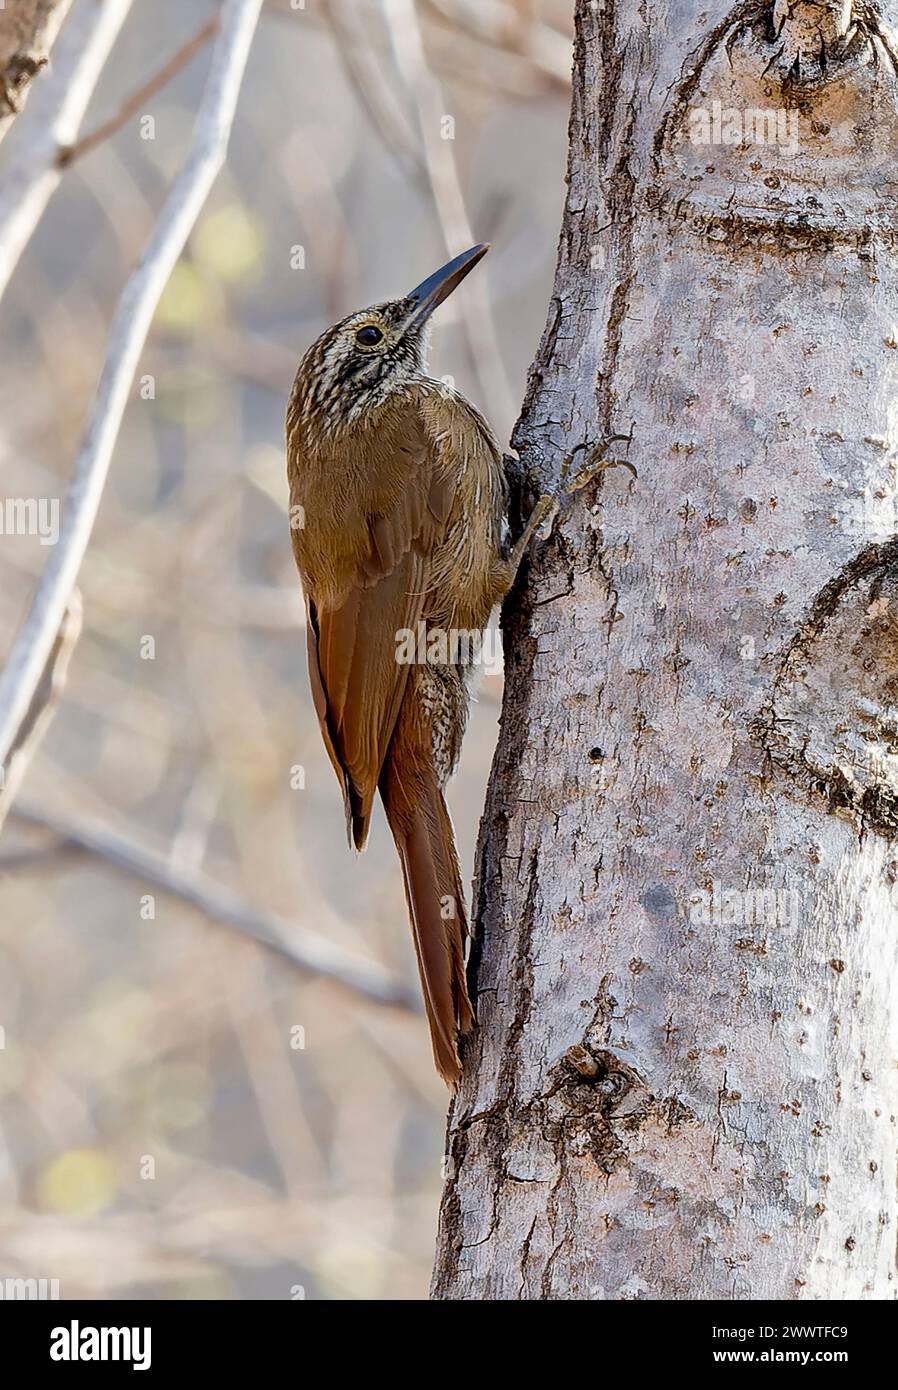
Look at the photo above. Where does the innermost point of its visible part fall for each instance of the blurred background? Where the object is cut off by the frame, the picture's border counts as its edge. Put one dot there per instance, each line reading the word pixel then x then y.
pixel 185 1113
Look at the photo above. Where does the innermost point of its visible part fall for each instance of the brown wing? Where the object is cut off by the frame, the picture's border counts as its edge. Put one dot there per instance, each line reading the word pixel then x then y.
pixel 357 683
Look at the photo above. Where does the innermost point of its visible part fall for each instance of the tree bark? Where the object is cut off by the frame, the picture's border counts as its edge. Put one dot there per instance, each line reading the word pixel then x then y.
pixel 683 1082
pixel 28 29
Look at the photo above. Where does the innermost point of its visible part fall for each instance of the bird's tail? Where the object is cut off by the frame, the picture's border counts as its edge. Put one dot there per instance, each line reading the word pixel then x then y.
pixel 419 820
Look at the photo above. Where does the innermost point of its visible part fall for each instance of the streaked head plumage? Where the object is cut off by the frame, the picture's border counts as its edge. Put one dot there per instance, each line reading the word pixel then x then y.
pixel 358 363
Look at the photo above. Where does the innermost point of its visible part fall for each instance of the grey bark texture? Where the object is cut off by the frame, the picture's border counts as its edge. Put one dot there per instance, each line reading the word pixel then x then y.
pixel 28 29
pixel 683 1082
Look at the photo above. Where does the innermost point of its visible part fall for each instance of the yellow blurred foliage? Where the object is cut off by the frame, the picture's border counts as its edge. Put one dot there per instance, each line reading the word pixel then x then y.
pixel 81 1182
pixel 228 242
pixel 189 300
pixel 180 1097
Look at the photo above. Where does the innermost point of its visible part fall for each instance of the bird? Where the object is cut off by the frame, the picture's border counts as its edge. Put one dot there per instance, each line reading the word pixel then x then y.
pixel 398 507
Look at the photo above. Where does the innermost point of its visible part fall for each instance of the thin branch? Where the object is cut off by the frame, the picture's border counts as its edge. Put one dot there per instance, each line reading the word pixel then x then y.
pixel 46 697
pixel 307 949
pixel 14 860
pixel 27 33
pixel 365 68
pixel 53 118
pixel 518 56
pixel 480 330
pixel 67 154
pixel 127 334
pixel 525 34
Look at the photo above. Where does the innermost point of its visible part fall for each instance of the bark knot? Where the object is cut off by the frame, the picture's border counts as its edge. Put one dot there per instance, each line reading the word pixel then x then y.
pixel 831 721
pixel 783 128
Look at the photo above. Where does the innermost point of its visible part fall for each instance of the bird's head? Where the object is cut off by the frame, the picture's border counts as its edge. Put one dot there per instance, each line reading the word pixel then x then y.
pixel 355 365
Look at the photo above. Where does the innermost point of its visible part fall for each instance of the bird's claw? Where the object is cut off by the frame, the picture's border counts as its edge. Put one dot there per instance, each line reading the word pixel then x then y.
pixel 596 462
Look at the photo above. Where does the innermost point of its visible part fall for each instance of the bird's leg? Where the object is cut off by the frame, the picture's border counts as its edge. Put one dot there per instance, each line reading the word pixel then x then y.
pixel 546 508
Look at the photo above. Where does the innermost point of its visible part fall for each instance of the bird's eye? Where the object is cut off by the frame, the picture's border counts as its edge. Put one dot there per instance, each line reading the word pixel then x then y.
pixel 368 336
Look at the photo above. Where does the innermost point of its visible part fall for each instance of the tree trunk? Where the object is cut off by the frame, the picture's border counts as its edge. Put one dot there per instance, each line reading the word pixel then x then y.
pixel 683 1083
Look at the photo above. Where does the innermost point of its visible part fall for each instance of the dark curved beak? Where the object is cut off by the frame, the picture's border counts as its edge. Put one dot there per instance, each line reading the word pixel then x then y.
pixel 425 297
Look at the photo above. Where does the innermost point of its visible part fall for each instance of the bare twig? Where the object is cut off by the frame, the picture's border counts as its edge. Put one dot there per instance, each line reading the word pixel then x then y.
pixel 46 697
pixel 67 154
pixel 297 944
pixel 515 54
pixel 525 34
pixel 27 33
pixel 52 119
pixel 365 69
pixel 471 62
pixel 126 338
pixel 30 856
pixel 480 331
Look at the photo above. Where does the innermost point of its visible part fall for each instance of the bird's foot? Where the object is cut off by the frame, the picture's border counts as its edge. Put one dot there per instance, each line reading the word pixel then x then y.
pixel 548 507
pixel 596 461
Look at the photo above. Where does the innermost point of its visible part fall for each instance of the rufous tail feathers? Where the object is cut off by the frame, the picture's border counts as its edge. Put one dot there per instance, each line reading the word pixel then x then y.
pixel 419 820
